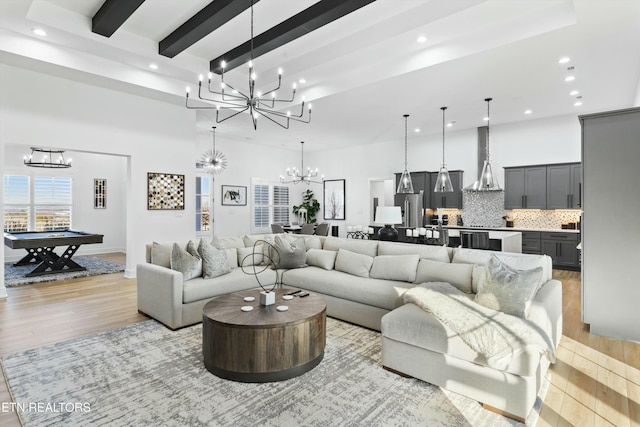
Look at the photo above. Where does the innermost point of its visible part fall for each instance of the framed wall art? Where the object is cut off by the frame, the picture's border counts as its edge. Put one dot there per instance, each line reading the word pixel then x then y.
pixel 165 191
pixel 334 199
pixel 99 193
pixel 234 195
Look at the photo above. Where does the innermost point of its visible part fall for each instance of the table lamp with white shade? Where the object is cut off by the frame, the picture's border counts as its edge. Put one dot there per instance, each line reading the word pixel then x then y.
pixel 388 215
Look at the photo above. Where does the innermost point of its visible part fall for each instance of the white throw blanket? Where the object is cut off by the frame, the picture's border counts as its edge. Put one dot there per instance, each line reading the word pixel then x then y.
pixel 497 336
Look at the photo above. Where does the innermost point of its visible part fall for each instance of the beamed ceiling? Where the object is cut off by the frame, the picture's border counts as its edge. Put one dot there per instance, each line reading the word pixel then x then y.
pixel 358 61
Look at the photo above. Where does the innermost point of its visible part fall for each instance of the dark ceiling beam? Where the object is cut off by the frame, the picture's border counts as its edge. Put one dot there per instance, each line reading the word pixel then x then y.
pixel 210 18
pixel 112 15
pixel 312 18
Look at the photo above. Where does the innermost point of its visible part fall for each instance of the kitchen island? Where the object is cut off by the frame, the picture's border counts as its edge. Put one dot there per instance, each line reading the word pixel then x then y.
pixel 505 241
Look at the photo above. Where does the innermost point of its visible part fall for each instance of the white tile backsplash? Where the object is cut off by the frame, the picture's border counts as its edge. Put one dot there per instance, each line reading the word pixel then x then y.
pixel 552 219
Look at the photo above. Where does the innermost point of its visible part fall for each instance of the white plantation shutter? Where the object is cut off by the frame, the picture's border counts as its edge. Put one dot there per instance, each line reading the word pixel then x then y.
pixel 270 205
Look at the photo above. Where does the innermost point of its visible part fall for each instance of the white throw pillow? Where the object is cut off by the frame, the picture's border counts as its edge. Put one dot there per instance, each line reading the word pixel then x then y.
pixel 471 256
pixel 395 267
pixel 458 275
pixel 508 290
pixel 232 257
pixel 161 254
pixel 353 263
pixel 246 256
pixel 228 242
pixel 321 258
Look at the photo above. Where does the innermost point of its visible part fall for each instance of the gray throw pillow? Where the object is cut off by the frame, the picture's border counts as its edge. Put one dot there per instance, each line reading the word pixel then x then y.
pixel 508 290
pixel 290 255
pixel 190 266
pixel 214 261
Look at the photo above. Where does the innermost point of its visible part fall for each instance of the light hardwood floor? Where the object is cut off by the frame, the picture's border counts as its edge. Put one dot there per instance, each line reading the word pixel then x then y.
pixel 595 382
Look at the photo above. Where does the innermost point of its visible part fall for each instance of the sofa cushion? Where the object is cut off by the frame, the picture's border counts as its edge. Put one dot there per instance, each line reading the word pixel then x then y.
pixel 310 242
pixel 365 247
pixel 436 253
pixel 321 258
pixel 477 277
pixel 508 290
pixel 214 261
pixel 247 256
pixel 232 257
pixel 395 267
pixel 458 275
pixel 161 254
pixel 228 242
pixel 353 263
pixel 290 254
pixel 189 265
pixel 200 289
pixel 427 332
pixel 384 294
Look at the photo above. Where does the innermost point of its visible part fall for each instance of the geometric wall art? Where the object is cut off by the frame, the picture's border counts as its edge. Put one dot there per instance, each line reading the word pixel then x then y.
pixel 165 191
pixel 99 193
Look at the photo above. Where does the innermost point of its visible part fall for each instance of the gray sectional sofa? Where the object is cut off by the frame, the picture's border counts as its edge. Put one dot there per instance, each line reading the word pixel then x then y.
pixel 364 282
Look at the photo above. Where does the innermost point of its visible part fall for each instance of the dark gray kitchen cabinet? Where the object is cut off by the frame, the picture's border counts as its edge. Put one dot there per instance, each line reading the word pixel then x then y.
pixel 531 242
pixel 446 200
pixel 525 187
pixel 576 186
pixel 563 186
pixel 561 247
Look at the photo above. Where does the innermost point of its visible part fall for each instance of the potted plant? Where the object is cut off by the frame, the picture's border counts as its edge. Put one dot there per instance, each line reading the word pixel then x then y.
pixel 310 204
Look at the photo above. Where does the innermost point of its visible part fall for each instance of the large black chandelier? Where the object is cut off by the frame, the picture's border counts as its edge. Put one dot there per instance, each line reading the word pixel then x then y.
pixel 229 102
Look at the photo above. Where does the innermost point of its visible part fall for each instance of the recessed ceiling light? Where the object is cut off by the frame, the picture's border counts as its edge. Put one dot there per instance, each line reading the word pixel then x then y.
pixel 528 111
pixel 416 130
pixel 39 32
pixel 486 119
pixel 574 92
pixel 153 66
pixel 421 39
pixel 450 124
pixel 578 101
pixel 564 60
pixel 570 78
pixel 302 81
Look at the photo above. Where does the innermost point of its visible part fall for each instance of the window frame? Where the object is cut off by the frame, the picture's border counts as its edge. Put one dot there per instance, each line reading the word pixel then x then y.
pixel 271 205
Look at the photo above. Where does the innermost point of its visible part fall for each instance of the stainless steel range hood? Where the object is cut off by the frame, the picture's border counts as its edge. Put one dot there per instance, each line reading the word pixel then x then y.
pixel 483 133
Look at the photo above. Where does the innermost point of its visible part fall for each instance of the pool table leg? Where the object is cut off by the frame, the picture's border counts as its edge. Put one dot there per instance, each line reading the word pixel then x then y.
pixel 50 262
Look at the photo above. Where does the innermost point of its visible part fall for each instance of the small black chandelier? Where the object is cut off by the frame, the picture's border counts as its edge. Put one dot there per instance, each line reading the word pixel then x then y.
pixel 47 160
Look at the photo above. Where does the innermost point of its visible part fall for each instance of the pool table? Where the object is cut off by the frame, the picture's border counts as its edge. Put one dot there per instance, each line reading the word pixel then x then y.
pixel 40 246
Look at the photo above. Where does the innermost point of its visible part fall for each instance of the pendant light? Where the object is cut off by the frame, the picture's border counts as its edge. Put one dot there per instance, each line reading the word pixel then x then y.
pixel 488 181
pixel 213 161
pixel 405 186
pixel 443 183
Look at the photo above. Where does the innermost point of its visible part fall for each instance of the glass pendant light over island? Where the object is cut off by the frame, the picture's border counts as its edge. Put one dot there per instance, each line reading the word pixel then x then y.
pixel 443 183
pixel 405 186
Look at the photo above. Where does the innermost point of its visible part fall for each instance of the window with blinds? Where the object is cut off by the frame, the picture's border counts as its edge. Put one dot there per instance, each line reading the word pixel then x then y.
pixel 16 196
pixel 204 219
pixel 270 205
pixel 41 203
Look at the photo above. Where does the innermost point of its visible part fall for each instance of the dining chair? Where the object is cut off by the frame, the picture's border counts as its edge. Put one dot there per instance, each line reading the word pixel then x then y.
pixel 322 229
pixel 277 228
pixel 307 229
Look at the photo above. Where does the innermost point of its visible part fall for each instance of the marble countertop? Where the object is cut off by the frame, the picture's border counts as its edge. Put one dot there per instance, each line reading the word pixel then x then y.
pixel 514 229
pixel 493 234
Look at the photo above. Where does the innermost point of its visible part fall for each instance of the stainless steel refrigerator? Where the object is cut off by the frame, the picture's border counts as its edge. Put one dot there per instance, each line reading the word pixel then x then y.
pixel 411 206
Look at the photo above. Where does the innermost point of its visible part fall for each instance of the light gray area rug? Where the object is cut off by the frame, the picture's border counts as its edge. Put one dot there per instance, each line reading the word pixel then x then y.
pixel 14 275
pixel 147 375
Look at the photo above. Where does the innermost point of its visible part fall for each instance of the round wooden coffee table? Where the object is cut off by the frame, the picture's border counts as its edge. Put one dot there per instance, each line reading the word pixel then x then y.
pixel 264 344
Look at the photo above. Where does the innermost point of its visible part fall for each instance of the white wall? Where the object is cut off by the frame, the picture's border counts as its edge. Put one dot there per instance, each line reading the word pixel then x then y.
pixel 39 109
pixel 85 167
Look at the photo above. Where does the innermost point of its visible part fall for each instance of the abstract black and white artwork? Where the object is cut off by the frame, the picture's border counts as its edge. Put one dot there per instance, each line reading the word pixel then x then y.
pixel 234 195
